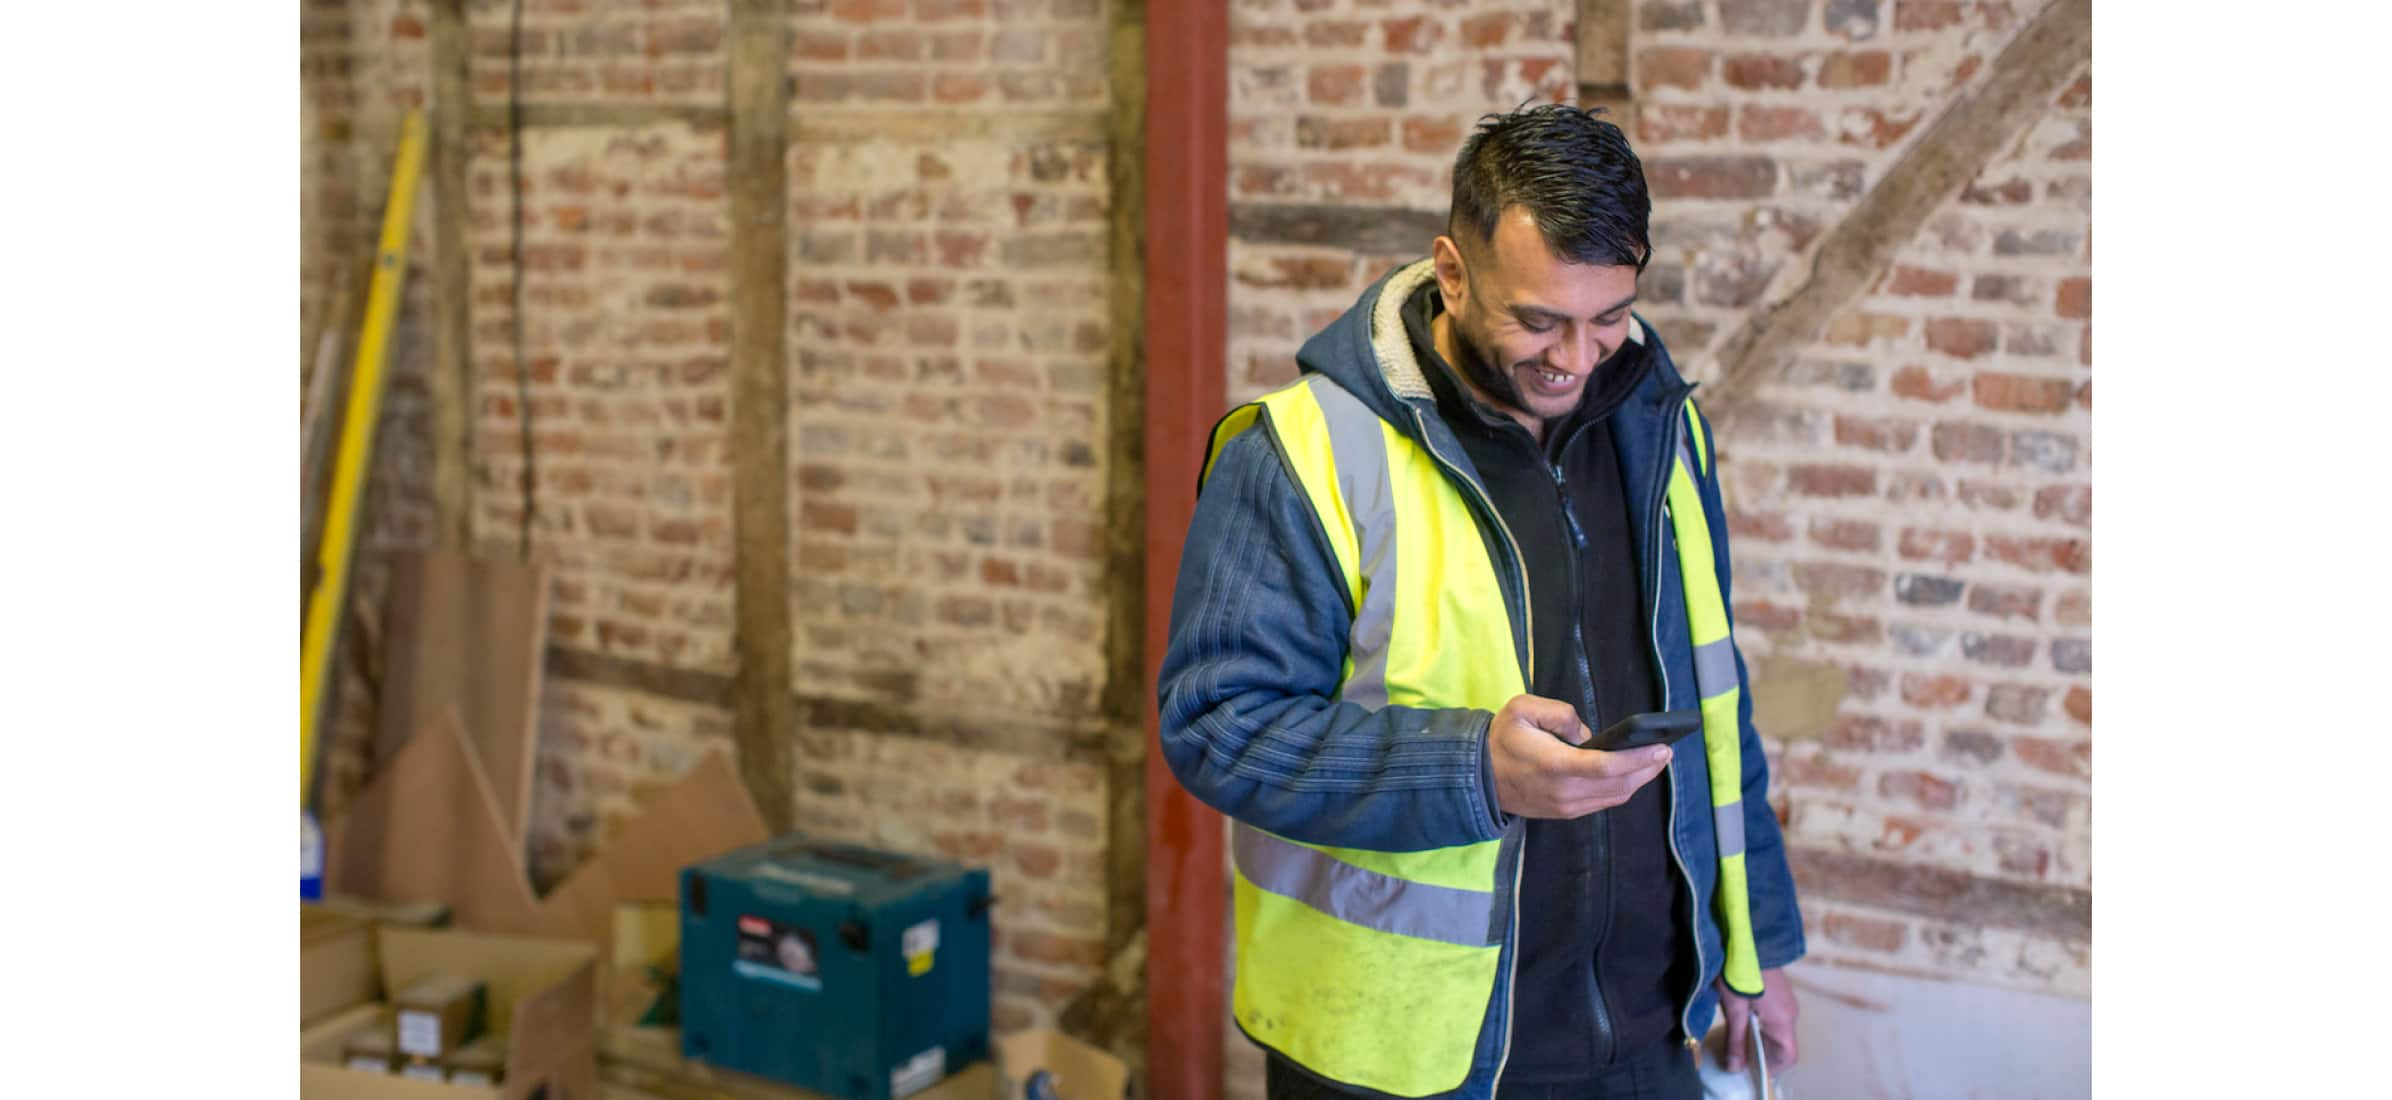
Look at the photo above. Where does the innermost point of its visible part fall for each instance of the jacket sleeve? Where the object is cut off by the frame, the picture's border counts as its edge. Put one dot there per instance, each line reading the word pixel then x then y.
pixel 1249 719
pixel 1776 914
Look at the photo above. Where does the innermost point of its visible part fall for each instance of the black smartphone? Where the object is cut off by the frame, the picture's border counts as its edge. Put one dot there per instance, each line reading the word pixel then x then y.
pixel 1638 730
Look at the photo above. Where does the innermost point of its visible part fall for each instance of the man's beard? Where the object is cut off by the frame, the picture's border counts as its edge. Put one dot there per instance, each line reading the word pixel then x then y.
pixel 1479 368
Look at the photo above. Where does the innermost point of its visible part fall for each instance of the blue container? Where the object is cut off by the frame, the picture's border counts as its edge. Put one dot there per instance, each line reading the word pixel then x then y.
pixel 838 968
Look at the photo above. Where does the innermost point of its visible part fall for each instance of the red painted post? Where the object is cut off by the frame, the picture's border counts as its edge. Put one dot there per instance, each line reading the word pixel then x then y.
pixel 1187 318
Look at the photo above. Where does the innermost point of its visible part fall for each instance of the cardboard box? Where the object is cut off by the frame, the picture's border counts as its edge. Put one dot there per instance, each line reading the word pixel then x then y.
pixel 437 1013
pixel 541 1001
pixel 336 963
pixel 1074 1070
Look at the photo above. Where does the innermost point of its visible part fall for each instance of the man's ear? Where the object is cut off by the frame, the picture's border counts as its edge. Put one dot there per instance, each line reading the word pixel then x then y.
pixel 1450 281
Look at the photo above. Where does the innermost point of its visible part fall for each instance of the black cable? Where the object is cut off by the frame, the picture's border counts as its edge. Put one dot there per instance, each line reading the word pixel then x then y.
pixel 523 369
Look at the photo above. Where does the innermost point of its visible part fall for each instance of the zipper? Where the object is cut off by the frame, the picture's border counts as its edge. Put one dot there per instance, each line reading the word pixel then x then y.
pixel 1663 519
pixel 1599 1003
pixel 1511 981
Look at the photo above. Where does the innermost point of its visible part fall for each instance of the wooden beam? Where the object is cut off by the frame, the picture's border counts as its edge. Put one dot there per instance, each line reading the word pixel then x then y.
pixel 764 703
pixel 1187 321
pixel 1106 1015
pixel 1962 141
pixel 493 116
pixel 452 278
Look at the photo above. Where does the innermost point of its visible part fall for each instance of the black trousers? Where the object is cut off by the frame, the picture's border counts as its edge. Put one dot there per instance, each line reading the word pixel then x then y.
pixel 1664 1072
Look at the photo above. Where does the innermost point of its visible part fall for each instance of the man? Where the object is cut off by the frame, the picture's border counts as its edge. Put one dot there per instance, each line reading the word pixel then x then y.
pixel 1484 525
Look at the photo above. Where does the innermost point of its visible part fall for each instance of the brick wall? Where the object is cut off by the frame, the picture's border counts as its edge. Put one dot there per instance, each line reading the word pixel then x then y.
pixel 947 346
pixel 1911 503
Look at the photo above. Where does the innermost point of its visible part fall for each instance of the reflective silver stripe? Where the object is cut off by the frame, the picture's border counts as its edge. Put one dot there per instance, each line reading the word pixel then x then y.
pixel 1715 668
pixel 1362 479
pixel 1358 896
pixel 1728 820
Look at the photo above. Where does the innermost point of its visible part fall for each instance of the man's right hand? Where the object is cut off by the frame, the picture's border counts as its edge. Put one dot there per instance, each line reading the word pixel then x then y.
pixel 1540 771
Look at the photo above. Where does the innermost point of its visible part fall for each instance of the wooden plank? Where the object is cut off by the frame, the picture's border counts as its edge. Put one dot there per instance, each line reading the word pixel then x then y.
pixel 603 116
pixel 469 633
pixel 2016 90
pixel 1187 314
pixel 452 276
pixel 427 828
pixel 1100 1017
pixel 764 704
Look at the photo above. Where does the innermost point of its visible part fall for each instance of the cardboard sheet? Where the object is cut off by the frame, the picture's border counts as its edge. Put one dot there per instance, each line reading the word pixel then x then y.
pixel 427 829
pixel 469 633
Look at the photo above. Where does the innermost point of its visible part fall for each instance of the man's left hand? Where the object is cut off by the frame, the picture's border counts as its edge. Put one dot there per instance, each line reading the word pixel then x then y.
pixel 1777 1008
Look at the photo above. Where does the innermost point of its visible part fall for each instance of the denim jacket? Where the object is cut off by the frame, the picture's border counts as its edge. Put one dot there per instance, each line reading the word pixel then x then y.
pixel 1251 725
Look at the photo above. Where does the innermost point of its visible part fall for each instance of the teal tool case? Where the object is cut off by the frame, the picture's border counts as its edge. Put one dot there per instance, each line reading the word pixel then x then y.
pixel 843 969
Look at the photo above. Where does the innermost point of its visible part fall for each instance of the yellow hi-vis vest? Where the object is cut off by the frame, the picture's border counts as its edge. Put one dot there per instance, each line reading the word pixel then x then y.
pixel 1376 968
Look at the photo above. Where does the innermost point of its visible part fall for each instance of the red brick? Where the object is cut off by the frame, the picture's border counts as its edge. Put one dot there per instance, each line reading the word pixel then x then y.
pixel 1761 71
pixel 1876 129
pixel 1660 122
pixel 1334 35
pixel 2018 393
pixel 1930 791
pixel 1863 329
pixel 1876 434
pixel 1672 67
pixel 1417 34
pixel 1857 69
pixel 2073 608
pixel 1867 933
pixel 1933 692
pixel 2071 504
pixel 2079 704
pixel 1341 133
pixel 1335 85
pixel 2005 601
pixel 1918 282
pixel 1766 616
pixel 1759 526
pixel 1948 547
pixel 1837 581
pixel 1832 481
pixel 2042 554
pixel 2070 758
pixel 1712 177
pixel 1432 134
pixel 2016 703
pixel 1926 15
pixel 1962 337
pixel 1778 124
pixel 2075 298
pixel 1855 629
pixel 1960 442
pixel 1919 384
pixel 1845 534
pixel 1487 30
pixel 1870 733
pixel 867 11
pixel 1818 772
pixel 959 88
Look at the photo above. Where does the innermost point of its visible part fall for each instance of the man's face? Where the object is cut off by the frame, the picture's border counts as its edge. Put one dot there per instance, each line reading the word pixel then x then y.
pixel 1531 326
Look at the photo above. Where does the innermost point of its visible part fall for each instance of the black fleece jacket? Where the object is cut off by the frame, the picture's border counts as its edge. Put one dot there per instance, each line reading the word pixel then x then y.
pixel 1605 952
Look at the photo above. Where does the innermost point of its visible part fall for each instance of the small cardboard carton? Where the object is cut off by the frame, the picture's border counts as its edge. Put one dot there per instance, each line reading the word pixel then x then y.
pixel 1064 1068
pixel 541 998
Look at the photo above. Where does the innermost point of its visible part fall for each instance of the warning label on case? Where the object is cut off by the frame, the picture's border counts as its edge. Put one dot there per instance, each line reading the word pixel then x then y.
pixel 775 952
pixel 921 943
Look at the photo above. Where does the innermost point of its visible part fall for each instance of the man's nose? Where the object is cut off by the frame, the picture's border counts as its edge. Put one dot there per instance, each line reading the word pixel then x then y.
pixel 1575 353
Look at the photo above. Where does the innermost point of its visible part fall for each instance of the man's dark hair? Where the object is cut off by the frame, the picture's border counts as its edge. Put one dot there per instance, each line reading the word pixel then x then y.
pixel 1573 171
